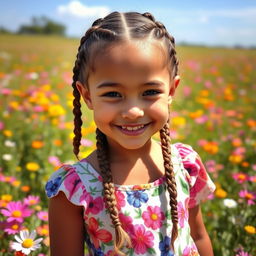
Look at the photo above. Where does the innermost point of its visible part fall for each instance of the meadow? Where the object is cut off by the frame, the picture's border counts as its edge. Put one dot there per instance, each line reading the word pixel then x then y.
pixel 214 111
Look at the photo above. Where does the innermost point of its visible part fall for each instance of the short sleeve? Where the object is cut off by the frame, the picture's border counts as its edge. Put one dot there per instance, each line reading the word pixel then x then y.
pixel 201 185
pixel 67 180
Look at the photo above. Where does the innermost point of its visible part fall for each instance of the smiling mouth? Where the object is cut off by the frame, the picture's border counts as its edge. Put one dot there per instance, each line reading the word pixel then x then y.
pixel 132 129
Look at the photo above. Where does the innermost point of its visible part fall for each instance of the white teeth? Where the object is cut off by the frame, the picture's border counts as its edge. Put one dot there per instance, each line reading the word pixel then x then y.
pixel 132 128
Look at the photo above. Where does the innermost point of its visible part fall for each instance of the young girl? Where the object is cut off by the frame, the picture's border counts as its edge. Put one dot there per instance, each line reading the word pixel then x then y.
pixel 132 195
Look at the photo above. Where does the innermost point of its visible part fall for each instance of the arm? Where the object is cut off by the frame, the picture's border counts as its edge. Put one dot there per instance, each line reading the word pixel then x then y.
pixel 199 233
pixel 66 227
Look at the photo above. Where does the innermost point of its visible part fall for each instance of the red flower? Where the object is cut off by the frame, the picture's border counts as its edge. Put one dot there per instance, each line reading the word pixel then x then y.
pixel 120 199
pixel 97 234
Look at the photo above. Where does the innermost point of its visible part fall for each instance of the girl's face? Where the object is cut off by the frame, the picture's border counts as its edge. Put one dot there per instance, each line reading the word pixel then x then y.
pixel 129 90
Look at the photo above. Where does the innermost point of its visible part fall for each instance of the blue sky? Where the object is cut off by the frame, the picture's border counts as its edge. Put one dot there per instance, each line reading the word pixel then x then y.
pixel 218 22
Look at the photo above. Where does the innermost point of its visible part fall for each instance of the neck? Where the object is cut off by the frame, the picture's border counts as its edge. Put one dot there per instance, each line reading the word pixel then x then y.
pixel 120 154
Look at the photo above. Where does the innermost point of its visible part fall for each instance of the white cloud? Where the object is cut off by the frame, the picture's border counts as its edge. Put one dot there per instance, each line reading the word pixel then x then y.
pixel 77 9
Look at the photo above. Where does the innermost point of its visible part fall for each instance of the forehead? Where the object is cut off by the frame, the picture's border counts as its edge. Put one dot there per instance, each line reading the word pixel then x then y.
pixel 141 56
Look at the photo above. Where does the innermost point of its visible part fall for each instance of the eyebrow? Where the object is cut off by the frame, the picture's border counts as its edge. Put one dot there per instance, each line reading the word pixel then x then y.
pixel 107 84
pixel 113 84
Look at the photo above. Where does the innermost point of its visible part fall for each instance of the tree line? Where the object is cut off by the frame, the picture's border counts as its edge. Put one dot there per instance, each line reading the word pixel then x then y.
pixel 39 26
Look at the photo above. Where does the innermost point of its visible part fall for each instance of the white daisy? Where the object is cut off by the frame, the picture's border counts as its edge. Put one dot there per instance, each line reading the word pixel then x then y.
pixel 26 243
pixel 230 203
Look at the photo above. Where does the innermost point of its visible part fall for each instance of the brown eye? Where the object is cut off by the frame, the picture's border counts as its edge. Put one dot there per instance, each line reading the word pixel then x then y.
pixel 112 94
pixel 151 92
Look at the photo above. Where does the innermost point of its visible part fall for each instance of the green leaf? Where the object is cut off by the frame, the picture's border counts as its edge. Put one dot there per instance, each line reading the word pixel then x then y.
pixel 151 251
pixel 184 186
pixel 139 213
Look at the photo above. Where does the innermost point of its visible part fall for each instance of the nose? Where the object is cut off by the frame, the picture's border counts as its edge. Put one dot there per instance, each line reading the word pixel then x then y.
pixel 133 112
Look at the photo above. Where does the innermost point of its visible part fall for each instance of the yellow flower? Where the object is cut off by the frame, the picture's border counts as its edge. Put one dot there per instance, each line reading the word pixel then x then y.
pixel 7 133
pixel 250 229
pixel 55 98
pixel 236 159
pixel 220 193
pixel 196 114
pixel 6 197
pixel 16 183
pixel 178 121
pixel 32 166
pixel 25 188
pixel 14 104
pixel 56 110
pixel 46 88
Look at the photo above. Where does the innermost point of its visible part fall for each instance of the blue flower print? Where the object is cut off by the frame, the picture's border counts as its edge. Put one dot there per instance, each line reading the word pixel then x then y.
pixel 137 197
pixel 164 247
pixel 52 186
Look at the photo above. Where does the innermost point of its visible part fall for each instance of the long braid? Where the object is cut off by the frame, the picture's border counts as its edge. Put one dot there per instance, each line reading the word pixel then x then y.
pixel 170 179
pixel 165 133
pixel 109 192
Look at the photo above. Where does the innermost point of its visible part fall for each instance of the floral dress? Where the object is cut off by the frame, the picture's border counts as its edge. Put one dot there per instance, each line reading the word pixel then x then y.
pixel 144 209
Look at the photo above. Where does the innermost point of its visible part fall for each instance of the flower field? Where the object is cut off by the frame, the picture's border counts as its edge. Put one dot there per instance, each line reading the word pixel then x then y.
pixel 213 110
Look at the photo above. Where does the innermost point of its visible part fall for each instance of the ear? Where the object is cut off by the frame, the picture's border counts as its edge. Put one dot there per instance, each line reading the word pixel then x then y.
pixel 85 93
pixel 174 84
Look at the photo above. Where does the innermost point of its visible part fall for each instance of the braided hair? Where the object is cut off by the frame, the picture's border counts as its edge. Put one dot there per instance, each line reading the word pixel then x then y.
pixel 117 27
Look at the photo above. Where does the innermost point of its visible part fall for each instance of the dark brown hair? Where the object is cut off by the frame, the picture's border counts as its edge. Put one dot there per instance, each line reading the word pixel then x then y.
pixel 117 27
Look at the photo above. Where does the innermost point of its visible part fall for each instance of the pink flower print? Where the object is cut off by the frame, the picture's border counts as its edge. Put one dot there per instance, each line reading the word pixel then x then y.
pixel 199 185
pixel 72 182
pixel 153 217
pixel 141 239
pixel 16 211
pixel 190 251
pixel 183 213
pixel 120 199
pixel 126 222
pixel 97 234
pixel 92 205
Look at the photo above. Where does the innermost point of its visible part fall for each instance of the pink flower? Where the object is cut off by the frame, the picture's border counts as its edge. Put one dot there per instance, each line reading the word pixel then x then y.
pixel 16 211
pixel 249 196
pixel 183 212
pixel 153 217
pixel 120 199
pixel 126 222
pixel 72 181
pixel 141 239
pixel 93 206
pixel 43 215
pixel 54 160
pixel 12 227
pixel 86 143
pixel 31 200
pixel 202 119
pixel 190 250
pixel 1 125
pixel 252 178
pixel 240 177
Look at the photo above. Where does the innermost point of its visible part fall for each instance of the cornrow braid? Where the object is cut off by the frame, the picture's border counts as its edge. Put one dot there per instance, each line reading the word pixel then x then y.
pixel 161 31
pixel 170 179
pixel 109 192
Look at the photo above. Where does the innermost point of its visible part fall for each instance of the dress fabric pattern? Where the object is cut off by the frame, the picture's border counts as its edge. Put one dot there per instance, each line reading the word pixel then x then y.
pixel 144 209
